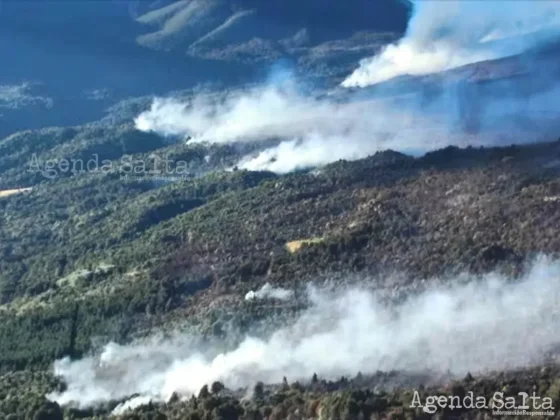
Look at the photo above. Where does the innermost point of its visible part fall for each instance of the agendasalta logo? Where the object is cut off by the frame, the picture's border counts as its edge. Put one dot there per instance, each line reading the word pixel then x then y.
pixel 523 404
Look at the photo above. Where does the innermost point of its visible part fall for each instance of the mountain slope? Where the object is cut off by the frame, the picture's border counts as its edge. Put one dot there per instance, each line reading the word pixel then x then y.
pixel 96 256
pixel 450 211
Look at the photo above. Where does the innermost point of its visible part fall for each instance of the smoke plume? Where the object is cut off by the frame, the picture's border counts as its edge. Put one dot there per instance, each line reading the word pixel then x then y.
pixel 312 130
pixel 269 292
pixel 469 325
pixel 444 35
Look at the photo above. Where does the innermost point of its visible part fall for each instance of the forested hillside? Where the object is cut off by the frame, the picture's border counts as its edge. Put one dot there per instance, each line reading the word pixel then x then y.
pixel 92 257
pixel 94 254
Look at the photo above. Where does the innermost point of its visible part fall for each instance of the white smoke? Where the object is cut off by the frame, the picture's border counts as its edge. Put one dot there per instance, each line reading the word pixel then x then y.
pixel 471 325
pixel 313 131
pixel 310 131
pixel 444 35
pixel 267 291
pixel 131 404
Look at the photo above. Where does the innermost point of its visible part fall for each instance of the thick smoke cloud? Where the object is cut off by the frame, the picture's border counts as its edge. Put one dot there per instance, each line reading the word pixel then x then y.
pixel 312 130
pixel 315 130
pixel 470 325
pixel 444 35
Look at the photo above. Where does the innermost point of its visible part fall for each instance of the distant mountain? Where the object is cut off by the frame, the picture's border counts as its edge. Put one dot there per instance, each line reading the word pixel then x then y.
pixel 249 29
pixel 85 56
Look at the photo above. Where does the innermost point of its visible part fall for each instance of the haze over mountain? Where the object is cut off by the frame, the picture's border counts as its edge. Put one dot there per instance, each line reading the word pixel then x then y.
pixel 85 56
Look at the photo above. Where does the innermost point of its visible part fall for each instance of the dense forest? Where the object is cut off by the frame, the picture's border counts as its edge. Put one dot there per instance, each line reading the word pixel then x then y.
pixel 90 256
